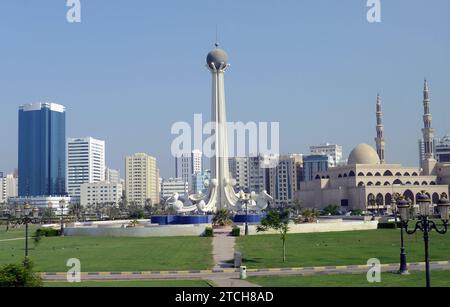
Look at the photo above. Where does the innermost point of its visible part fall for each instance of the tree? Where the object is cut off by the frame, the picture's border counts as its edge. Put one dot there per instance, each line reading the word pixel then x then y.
pixel 308 215
pixel 75 210
pixel 19 275
pixel 222 218
pixel 331 210
pixel 136 211
pixel 277 220
pixel 297 207
pixel 357 212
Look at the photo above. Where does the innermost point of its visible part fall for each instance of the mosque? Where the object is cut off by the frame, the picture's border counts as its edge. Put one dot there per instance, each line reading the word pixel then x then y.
pixel 368 183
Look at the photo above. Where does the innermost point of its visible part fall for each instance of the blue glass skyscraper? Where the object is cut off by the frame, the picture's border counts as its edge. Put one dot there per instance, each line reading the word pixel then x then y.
pixel 42 150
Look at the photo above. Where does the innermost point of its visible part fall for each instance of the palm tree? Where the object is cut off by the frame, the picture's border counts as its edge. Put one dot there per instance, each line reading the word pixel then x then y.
pixel 222 218
pixel 308 215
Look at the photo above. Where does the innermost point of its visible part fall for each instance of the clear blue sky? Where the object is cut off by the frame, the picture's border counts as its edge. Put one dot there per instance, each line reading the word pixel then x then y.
pixel 132 68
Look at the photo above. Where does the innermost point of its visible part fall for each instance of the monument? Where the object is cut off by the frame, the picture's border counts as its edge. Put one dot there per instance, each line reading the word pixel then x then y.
pixel 221 193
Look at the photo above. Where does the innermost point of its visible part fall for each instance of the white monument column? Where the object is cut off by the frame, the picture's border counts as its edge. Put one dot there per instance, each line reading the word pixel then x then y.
pixel 221 191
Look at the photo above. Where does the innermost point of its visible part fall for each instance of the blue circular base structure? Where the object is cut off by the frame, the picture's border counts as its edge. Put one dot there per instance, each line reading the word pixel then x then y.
pixel 181 219
pixel 250 218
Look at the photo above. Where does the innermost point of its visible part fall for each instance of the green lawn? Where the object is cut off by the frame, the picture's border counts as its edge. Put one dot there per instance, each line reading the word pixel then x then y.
pixel 99 254
pixel 134 284
pixel 339 248
pixel 15 233
pixel 438 279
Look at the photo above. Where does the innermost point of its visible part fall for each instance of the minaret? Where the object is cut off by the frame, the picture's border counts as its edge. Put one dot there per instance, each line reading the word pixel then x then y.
pixel 380 131
pixel 429 162
pixel 221 191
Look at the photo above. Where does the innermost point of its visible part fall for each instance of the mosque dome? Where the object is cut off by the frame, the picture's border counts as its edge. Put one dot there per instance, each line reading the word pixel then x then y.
pixel 363 154
pixel 216 58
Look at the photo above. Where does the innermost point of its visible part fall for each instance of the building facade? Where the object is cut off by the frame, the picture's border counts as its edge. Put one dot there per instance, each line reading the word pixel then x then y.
pixel 112 175
pixel 333 151
pixel 8 187
pixel 85 164
pixel 42 150
pixel 313 164
pixel 173 185
pixel 283 179
pixel 188 165
pixel 442 149
pixel 249 173
pixel 199 182
pixel 100 193
pixel 141 179
pixel 366 184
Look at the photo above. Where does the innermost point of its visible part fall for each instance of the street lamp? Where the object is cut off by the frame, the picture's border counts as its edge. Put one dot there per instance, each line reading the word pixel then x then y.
pixel 62 205
pixel 425 225
pixel 7 214
pixel 245 198
pixel 26 216
pixel 402 206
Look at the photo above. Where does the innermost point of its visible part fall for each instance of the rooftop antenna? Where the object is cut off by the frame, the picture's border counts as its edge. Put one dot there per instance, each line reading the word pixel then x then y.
pixel 217 37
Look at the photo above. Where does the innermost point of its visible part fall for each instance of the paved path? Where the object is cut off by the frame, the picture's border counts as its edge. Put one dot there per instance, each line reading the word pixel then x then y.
pixel 223 250
pixel 223 255
pixel 14 239
pixel 232 283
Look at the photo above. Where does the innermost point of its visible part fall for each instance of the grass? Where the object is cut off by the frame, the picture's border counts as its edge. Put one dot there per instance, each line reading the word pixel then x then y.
pixel 339 248
pixel 15 233
pixel 438 279
pixel 106 254
pixel 129 284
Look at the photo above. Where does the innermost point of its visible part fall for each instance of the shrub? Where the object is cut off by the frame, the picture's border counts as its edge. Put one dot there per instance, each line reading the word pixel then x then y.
pixel 236 232
pixel 389 225
pixel 307 216
pixel 19 275
pixel 357 212
pixel 331 210
pixel 209 232
pixel 47 232
pixel 222 218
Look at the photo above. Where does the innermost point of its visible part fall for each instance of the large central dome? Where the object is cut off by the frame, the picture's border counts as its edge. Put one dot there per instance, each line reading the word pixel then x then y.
pixel 363 154
pixel 217 58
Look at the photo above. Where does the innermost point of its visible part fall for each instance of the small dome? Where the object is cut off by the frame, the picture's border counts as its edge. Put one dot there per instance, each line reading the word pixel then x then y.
pixel 363 154
pixel 217 57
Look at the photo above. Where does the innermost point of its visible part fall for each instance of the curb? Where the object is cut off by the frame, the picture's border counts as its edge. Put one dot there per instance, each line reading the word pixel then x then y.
pixel 311 270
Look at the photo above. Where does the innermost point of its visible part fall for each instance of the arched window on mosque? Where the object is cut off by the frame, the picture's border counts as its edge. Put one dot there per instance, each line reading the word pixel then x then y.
pixel 398 182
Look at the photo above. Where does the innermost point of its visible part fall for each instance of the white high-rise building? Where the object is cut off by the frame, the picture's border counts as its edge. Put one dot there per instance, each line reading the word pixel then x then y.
pixel 141 179
pixel 112 175
pixel 442 149
pixel 8 187
pixel 100 193
pixel 85 164
pixel 239 169
pixel 173 185
pixel 188 165
pixel 331 150
pixel 249 173
pixel 283 179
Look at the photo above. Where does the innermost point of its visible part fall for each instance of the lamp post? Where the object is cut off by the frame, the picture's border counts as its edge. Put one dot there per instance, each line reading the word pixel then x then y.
pixel 7 214
pixel 245 198
pixel 62 205
pixel 27 216
pixel 425 225
pixel 401 205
